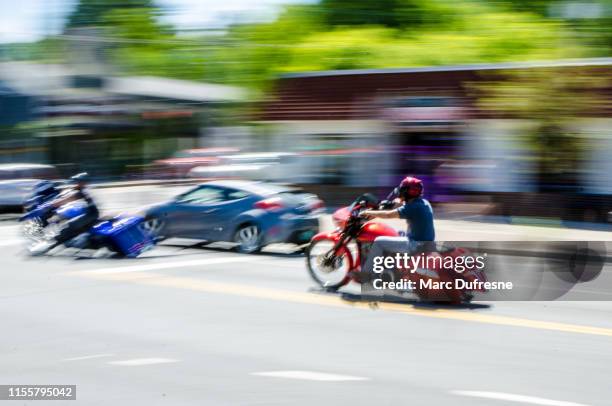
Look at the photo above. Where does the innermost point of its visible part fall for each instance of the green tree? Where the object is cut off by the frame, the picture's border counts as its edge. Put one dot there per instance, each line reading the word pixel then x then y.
pixel 388 13
pixel 541 7
pixel 136 42
pixel 334 34
pixel 360 12
pixel 90 13
pixel 300 40
pixel 252 55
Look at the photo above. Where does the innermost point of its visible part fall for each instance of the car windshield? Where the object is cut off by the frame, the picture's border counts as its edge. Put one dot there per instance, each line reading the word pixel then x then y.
pixel 212 195
pixel 203 195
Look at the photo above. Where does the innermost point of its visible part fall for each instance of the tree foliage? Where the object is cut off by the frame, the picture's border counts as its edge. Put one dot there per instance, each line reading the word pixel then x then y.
pixel 388 13
pixel 319 37
pixel 92 13
pixel 339 34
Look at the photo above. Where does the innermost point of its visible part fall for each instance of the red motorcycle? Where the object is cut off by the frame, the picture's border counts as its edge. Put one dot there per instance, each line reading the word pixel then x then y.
pixel 334 258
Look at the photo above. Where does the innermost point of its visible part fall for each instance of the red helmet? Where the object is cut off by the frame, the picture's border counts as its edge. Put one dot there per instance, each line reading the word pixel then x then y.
pixel 410 187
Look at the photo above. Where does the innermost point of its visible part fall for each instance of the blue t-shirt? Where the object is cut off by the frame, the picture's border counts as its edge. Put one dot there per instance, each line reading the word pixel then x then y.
pixel 419 216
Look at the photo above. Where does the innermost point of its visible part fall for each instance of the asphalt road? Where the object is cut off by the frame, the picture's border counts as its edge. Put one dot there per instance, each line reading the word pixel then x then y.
pixel 201 326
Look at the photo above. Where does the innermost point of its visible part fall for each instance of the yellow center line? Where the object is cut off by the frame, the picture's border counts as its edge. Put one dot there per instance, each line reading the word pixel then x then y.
pixel 202 285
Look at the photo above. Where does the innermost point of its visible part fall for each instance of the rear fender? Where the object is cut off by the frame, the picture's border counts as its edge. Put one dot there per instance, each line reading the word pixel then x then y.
pixel 249 217
pixel 470 274
pixel 326 235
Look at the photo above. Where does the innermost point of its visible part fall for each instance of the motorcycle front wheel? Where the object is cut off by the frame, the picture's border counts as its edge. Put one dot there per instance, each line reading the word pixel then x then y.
pixel 327 270
pixel 33 230
pixel 39 239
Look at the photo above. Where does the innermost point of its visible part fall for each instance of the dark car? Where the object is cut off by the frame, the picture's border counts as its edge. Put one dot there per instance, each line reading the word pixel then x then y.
pixel 250 214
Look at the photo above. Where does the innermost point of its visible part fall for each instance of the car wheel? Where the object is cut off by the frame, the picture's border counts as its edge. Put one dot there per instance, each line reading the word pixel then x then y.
pixel 248 238
pixel 154 226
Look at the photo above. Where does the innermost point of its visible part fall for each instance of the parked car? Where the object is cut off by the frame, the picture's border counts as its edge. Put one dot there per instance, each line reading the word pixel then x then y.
pixel 17 181
pixel 249 214
pixel 183 161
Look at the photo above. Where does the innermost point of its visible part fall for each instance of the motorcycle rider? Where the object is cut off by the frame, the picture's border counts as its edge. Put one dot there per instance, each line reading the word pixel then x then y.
pixel 418 214
pixel 44 191
pixel 78 224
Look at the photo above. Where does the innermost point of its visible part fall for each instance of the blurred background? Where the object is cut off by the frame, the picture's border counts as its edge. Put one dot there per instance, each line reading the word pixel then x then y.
pixel 502 107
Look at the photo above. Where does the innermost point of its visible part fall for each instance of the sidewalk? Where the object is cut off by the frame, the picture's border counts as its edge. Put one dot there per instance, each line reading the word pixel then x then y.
pixel 448 227
pixel 463 230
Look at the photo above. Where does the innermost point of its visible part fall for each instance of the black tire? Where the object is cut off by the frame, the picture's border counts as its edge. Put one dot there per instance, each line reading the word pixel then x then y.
pixel 330 286
pixel 249 238
pixel 116 252
pixel 155 227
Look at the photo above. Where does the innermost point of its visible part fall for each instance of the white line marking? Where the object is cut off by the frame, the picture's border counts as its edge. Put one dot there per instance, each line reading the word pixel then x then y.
pixel 515 398
pixel 167 265
pixel 88 357
pixel 310 376
pixel 14 241
pixel 143 361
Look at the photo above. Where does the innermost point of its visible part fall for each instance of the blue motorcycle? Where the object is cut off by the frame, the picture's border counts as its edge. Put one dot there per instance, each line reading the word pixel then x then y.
pixel 38 211
pixel 122 235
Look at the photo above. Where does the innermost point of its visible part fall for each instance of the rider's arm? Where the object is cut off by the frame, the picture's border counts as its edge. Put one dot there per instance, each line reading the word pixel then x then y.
pixel 383 214
pixel 65 198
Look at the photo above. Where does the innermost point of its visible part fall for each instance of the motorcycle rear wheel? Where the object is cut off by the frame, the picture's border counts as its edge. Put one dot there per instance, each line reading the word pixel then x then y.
pixel 334 275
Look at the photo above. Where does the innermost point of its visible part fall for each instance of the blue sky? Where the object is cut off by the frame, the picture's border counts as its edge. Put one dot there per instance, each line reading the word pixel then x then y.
pixel 30 20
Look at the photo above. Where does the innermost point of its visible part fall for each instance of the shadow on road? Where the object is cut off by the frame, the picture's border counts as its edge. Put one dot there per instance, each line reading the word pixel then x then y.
pixel 179 250
pixel 213 247
pixel 91 255
pixel 374 300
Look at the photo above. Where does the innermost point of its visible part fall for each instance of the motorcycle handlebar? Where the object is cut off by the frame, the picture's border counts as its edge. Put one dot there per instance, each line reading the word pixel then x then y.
pixel 392 195
pixel 368 201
